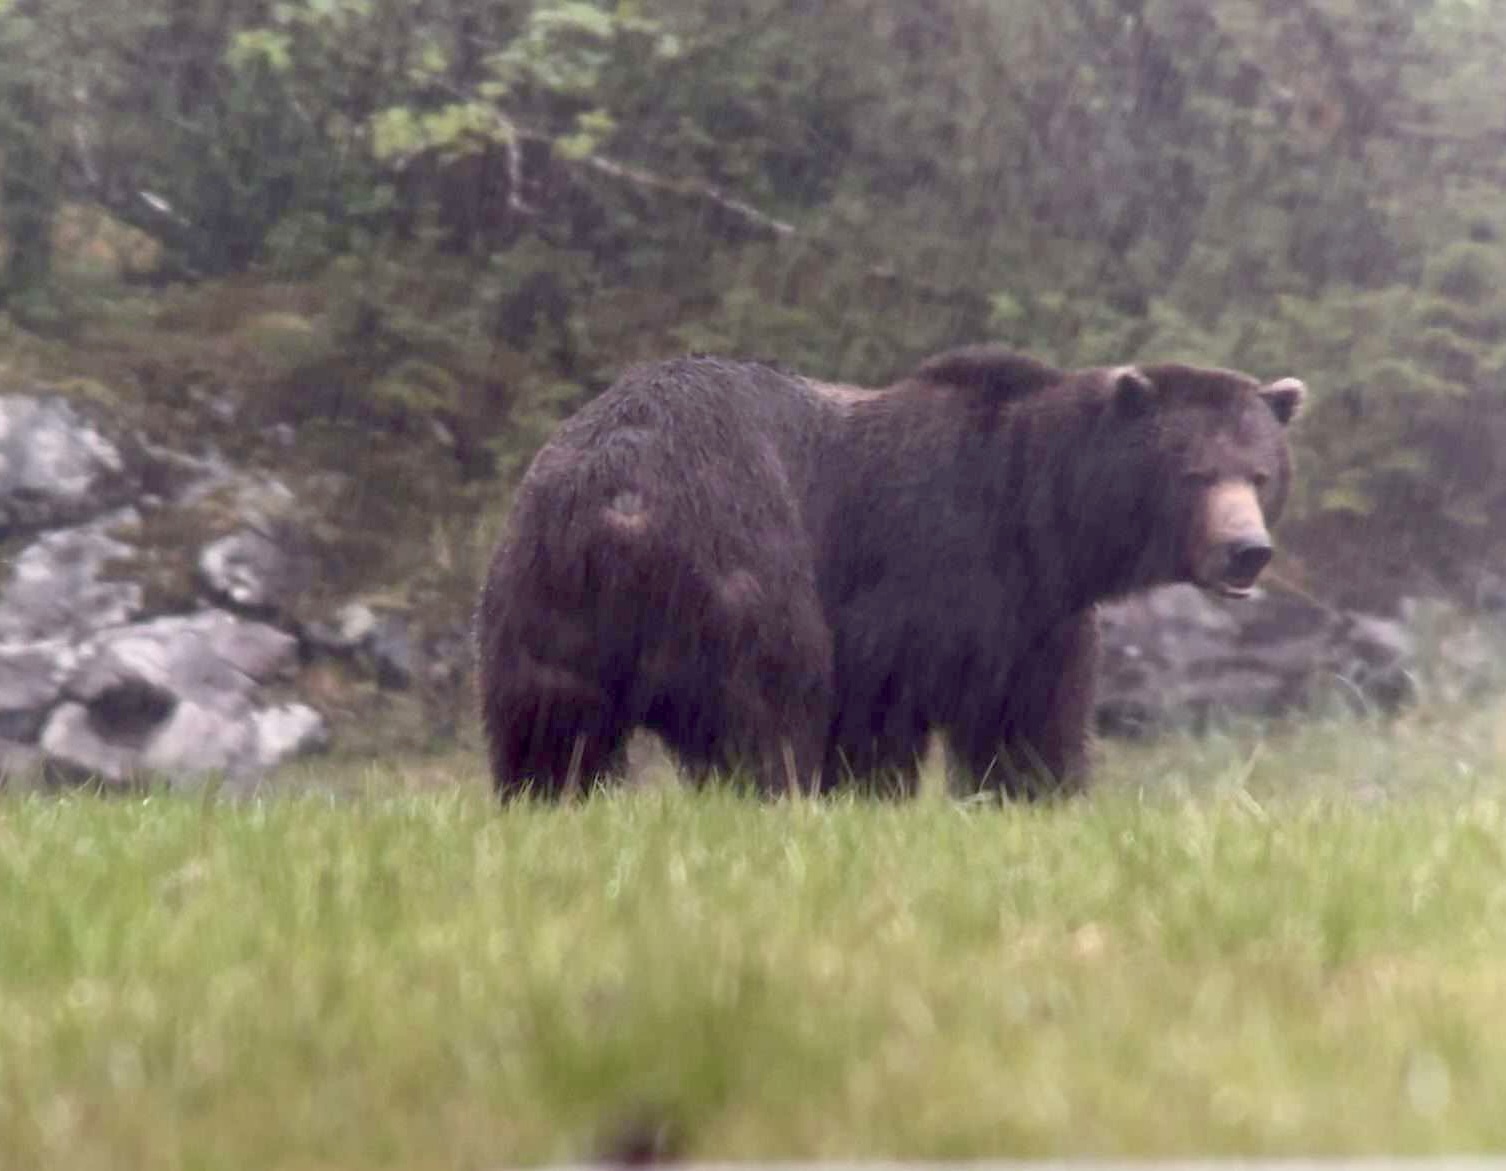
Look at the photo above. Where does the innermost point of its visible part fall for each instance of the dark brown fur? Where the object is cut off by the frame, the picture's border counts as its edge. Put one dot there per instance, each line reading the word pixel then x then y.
pixel 808 579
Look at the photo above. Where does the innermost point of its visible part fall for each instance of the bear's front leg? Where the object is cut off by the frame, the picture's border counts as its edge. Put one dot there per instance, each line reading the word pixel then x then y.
pixel 1036 742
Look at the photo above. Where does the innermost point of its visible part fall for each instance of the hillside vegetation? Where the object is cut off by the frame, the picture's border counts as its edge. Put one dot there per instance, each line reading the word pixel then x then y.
pixel 422 230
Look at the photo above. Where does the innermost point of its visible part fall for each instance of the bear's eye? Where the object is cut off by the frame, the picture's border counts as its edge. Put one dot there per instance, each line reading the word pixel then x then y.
pixel 1260 480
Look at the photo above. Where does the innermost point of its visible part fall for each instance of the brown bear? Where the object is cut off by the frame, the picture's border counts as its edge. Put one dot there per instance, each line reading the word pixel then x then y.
pixel 806 579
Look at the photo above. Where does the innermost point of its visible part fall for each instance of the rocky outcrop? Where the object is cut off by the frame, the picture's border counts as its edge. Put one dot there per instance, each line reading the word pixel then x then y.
pixel 251 570
pixel 93 685
pixel 1176 658
pixel 56 467
pixel 124 654
pixel 261 566
pixel 59 586
pixel 384 641
pixel 177 696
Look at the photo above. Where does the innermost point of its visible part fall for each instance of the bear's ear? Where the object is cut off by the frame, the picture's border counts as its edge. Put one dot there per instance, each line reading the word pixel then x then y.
pixel 1285 398
pixel 1132 390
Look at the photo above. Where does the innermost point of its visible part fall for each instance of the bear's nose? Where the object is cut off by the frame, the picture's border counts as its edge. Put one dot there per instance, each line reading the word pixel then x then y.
pixel 1246 559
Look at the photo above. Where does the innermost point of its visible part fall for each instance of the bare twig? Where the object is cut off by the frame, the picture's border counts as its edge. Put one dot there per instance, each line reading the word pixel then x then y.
pixel 690 188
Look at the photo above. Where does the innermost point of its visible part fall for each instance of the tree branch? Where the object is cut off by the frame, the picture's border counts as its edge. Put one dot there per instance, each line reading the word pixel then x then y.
pixel 766 225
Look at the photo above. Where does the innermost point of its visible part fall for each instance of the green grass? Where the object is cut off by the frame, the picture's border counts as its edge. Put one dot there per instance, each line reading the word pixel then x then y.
pixel 1293 947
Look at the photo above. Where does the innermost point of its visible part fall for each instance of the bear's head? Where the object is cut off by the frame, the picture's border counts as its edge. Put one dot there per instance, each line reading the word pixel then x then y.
pixel 1221 468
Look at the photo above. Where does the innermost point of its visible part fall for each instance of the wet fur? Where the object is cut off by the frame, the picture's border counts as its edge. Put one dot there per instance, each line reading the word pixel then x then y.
pixel 806 580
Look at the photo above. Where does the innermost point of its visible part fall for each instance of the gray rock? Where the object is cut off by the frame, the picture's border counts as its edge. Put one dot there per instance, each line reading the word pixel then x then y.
pixel 87 689
pixel 393 652
pixel 72 742
pixel 57 589
pixel 264 564
pixel 197 739
pixel 31 681
pixel 1379 641
pixel 287 731
pixel 176 697
pixel 1178 658
pixel 355 623
pixel 211 658
pixel 352 625
pixel 190 743
pixel 179 477
pixel 384 640
pixel 448 655
pixel 283 434
pixel 259 571
pixel 56 468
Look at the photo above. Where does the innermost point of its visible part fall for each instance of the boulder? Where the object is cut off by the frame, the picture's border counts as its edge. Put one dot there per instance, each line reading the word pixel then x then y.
pixel 59 586
pixel 381 639
pixel 1176 658
pixel 79 750
pixel 257 570
pixel 177 696
pixel 287 731
pixel 56 468
pixel 31 681
pixel 213 658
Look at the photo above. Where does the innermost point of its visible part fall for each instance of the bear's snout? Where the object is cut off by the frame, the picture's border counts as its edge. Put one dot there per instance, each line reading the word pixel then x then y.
pixel 1235 546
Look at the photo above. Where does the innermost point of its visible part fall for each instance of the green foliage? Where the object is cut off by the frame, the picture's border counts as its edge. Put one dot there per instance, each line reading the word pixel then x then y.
pixel 511 199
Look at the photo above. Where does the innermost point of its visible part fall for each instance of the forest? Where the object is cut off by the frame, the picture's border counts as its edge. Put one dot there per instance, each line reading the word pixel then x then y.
pixel 292 290
pixel 469 215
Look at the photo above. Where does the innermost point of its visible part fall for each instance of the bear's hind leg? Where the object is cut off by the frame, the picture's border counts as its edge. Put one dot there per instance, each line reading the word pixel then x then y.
pixel 787 758
pixel 765 727
pixel 775 696
pixel 553 741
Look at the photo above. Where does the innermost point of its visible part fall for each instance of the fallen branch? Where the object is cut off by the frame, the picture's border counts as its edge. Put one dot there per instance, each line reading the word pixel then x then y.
pixel 760 223
pixel 690 188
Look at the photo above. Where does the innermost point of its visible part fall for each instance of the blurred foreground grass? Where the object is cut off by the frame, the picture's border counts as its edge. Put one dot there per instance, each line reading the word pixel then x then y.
pixel 1232 946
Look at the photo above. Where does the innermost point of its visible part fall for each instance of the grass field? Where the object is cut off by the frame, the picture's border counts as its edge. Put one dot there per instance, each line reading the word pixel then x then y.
pixel 1297 946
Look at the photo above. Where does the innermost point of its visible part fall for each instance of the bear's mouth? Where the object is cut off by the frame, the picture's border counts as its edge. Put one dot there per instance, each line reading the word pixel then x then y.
pixel 1230 589
pixel 1235 567
pixel 1239 579
pixel 1230 584
pixel 1226 587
